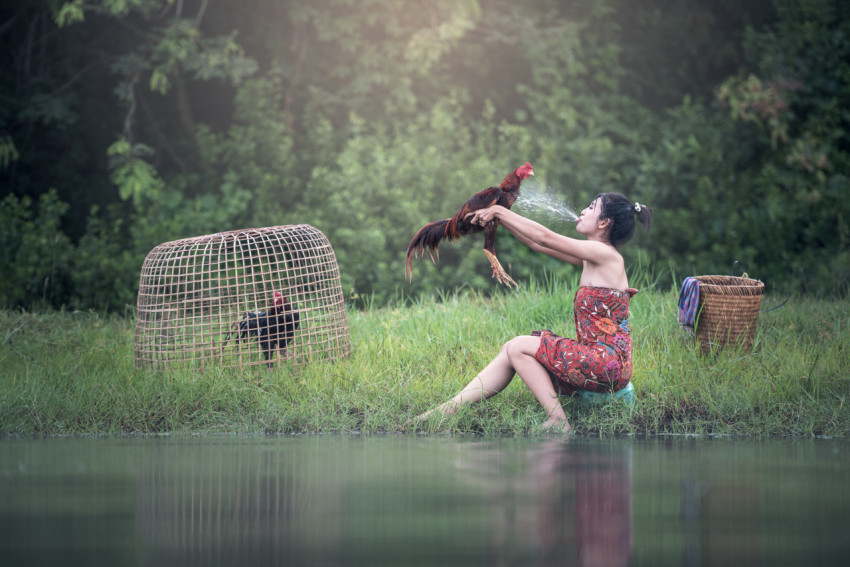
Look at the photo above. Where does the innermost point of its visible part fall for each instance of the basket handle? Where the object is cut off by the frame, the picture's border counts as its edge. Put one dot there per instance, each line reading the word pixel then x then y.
pixel 743 274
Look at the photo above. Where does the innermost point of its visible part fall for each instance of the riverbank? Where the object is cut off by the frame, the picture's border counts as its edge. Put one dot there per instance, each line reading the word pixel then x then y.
pixel 73 373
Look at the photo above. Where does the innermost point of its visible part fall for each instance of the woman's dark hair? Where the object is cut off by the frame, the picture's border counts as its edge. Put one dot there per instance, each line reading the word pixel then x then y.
pixel 622 212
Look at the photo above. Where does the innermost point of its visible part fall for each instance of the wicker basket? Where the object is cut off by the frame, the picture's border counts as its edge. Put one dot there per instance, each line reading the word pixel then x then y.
pixel 728 311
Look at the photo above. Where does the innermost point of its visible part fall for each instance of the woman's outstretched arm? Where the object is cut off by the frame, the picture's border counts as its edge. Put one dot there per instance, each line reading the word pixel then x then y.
pixel 539 238
pixel 548 251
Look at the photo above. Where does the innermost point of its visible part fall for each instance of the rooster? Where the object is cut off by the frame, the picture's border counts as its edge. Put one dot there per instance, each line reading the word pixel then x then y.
pixel 274 329
pixel 429 236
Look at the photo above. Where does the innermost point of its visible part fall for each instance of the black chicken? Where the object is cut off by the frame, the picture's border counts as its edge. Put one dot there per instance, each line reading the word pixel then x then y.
pixel 274 329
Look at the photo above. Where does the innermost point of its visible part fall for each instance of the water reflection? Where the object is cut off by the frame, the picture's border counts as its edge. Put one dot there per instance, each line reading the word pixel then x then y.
pixel 349 501
pixel 421 501
pixel 604 509
pixel 585 512
pixel 551 502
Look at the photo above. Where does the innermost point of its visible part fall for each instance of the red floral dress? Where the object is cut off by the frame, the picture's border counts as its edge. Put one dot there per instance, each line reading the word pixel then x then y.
pixel 601 359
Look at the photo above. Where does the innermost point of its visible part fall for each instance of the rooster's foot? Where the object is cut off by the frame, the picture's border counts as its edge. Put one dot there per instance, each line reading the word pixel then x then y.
pixel 503 278
pixel 498 271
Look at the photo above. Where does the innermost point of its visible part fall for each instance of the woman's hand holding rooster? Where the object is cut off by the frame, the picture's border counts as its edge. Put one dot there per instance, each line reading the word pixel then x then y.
pixel 483 216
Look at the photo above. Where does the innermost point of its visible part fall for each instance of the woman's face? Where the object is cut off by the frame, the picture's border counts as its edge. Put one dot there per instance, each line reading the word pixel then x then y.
pixel 588 221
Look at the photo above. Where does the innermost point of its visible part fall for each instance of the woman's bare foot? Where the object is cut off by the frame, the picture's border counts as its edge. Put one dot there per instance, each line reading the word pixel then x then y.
pixel 445 409
pixel 424 416
pixel 556 425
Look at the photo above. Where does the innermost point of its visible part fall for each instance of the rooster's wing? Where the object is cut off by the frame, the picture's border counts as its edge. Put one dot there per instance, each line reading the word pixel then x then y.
pixel 459 225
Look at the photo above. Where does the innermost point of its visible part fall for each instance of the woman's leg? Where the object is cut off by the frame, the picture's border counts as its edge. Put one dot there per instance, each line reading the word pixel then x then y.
pixel 516 356
pixel 522 353
pixel 493 379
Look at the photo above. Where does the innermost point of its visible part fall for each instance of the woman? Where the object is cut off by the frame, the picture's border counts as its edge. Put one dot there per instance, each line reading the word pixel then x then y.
pixel 600 360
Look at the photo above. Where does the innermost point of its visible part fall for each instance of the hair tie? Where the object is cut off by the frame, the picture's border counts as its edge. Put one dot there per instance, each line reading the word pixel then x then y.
pixel 637 207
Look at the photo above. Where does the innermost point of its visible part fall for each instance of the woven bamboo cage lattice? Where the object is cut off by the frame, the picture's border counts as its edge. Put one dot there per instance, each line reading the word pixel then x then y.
pixel 228 299
pixel 728 311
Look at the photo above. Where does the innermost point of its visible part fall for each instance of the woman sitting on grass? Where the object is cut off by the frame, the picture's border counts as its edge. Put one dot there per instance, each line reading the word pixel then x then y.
pixel 601 359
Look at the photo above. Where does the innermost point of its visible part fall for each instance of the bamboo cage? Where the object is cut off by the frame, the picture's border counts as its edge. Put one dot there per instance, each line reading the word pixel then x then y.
pixel 215 300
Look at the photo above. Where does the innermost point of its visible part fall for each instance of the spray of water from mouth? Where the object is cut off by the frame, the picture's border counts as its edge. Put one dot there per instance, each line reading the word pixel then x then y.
pixel 536 200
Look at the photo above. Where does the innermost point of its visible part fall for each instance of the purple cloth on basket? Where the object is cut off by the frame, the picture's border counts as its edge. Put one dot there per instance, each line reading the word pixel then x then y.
pixel 688 303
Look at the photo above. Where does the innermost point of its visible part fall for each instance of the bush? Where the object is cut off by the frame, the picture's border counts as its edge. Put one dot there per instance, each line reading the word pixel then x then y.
pixel 35 255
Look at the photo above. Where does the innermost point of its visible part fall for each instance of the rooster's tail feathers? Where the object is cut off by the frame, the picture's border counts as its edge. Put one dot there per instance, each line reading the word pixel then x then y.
pixel 425 241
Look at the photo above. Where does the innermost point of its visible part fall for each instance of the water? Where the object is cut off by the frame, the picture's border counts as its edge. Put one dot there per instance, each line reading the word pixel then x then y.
pixel 539 202
pixel 408 500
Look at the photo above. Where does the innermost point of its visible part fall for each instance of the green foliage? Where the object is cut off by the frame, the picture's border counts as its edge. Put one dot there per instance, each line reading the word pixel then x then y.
pixel 181 46
pixel 253 165
pixel 135 178
pixel 35 255
pixel 751 100
pixel 368 119
pixel 70 13
pixel 428 45
pixel 106 264
pixel 8 151
pixel 386 184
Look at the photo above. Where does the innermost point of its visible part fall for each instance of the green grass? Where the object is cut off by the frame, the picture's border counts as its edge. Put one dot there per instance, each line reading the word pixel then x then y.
pixel 73 373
